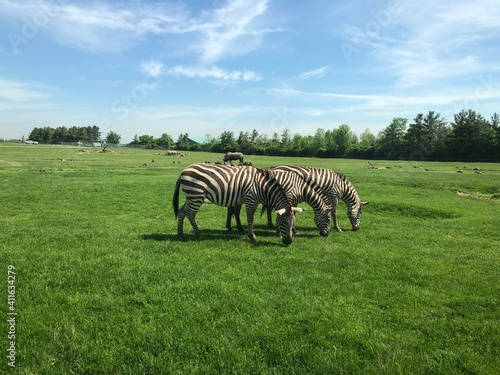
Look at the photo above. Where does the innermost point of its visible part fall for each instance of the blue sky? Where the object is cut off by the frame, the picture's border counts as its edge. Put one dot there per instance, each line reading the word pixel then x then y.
pixel 204 67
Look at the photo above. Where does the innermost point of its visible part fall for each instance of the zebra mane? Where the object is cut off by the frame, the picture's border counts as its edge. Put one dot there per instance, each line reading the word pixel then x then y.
pixel 268 175
pixel 351 189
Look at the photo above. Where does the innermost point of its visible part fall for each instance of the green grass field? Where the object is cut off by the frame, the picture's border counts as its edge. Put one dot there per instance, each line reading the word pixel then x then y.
pixel 103 285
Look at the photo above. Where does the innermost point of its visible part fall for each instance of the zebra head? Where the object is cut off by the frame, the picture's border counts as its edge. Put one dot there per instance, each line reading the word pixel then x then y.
pixel 322 221
pixel 285 222
pixel 354 214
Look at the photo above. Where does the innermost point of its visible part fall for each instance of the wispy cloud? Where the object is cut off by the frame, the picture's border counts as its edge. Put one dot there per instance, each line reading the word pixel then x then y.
pixel 13 91
pixel 438 51
pixel 98 27
pixel 152 68
pixel 348 102
pixel 316 73
pixel 233 30
pixel 214 73
pixel 424 44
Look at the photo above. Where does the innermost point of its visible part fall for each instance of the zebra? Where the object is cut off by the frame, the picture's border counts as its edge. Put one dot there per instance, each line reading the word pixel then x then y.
pixel 233 156
pixel 297 191
pixel 232 186
pixel 334 186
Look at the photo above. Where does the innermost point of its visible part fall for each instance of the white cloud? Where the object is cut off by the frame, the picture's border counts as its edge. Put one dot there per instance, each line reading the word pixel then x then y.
pixel 152 68
pixel 215 73
pixel 97 27
pixel 316 73
pixel 13 91
pixel 428 43
pixel 398 103
pixel 233 30
pixel 433 45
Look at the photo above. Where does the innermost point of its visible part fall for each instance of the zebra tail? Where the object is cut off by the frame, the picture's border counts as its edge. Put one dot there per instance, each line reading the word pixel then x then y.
pixel 175 198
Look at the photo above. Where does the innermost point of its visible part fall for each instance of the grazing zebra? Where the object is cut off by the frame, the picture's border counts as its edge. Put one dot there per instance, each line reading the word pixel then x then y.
pixel 232 186
pixel 233 156
pixel 334 186
pixel 297 190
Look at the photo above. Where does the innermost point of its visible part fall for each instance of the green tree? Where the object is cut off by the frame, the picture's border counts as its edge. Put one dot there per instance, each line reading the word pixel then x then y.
pixel 243 141
pixel 367 143
pixel 135 140
pixel 165 141
pixel 286 141
pixel 36 134
pixel 344 140
pixel 391 139
pixel 227 142
pixel 183 142
pixel 113 137
pixel 495 125
pixel 272 146
pixel 472 136
pixel 146 140
pixel 319 141
pixel 414 137
pixel 436 132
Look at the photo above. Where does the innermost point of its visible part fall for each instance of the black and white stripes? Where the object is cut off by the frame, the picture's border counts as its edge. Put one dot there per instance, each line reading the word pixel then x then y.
pixel 232 186
pixel 297 190
pixel 334 186
pixel 280 188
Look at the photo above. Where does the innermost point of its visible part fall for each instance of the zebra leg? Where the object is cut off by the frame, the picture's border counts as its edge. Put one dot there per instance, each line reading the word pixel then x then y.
pixel 229 216
pixel 270 217
pixel 251 208
pixel 190 209
pixel 237 211
pixel 334 216
pixel 197 231
pixel 234 210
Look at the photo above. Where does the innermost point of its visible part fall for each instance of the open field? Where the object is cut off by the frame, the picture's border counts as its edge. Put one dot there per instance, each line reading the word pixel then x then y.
pixel 103 285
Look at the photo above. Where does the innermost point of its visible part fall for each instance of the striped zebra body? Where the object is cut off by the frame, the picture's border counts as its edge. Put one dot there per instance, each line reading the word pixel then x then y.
pixel 333 186
pixel 232 186
pixel 297 191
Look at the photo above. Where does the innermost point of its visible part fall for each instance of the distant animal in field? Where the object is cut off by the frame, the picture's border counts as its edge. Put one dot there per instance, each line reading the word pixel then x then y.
pixel 233 156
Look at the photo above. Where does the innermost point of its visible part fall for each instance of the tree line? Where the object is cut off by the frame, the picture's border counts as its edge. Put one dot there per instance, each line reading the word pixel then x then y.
pixel 470 136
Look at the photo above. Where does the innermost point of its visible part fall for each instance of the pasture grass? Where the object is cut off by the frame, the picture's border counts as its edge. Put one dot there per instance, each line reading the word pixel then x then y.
pixel 105 286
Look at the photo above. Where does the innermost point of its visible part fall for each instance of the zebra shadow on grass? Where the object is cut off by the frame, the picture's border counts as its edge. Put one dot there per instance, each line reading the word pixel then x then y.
pixel 265 235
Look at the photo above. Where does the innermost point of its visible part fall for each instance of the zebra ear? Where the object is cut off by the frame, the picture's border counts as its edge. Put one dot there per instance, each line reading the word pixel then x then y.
pixel 298 209
pixel 281 212
pixel 364 203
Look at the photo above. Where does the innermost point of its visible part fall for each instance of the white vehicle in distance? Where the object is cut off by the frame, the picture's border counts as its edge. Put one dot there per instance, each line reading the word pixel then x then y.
pixel 29 142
